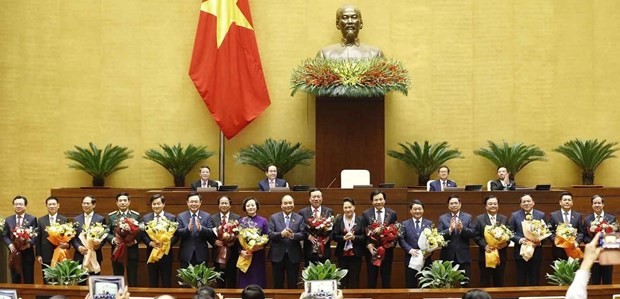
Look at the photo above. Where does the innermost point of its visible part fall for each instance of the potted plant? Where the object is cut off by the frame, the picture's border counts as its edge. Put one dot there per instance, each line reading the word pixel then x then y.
pixel 514 157
pixel 281 153
pixel 323 271
pixel 563 272
pixel 98 163
pixel 442 275
pixel 198 276
pixel 425 159
pixel 177 160
pixel 67 272
pixel 588 155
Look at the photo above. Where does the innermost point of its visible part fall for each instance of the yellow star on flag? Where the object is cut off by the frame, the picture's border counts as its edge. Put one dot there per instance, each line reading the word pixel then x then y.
pixel 226 12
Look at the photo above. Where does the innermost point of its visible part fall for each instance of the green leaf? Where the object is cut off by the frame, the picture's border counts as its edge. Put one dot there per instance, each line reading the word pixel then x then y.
pixel 96 162
pixel 198 276
pixel 323 271
pixel 514 157
pixel 281 153
pixel 177 160
pixel 425 158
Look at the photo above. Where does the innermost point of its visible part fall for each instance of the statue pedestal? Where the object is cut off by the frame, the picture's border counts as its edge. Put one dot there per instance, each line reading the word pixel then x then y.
pixel 350 134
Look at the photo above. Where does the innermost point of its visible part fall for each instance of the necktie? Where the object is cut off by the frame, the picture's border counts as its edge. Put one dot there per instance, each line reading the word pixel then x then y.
pixel 224 219
pixel 316 213
pixel 528 216
pixel 157 218
pixel 204 184
pixel 492 220
pixel 52 219
pixel 87 221
pixel 380 216
pixel 566 220
pixel 287 220
pixel 194 221
pixel 598 218
pixel 19 220
pixel 417 225
pixel 272 184
pixel 443 185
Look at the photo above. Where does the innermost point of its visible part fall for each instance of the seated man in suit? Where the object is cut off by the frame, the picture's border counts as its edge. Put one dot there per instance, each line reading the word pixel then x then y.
pixel 600 274
pixel 503 182
pixel 491 217
pixel 443 181
pixel 568 216
pixel 45 248
pixel 528 272
pixel 84 220
pixel 272 179
pixel 23 220
pixel 412 229
pixel 204 180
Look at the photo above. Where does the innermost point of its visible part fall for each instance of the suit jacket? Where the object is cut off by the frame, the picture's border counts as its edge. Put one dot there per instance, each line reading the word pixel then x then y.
pixel 279 245
pixel 458 242
pixel 144 236
pixel 515 225
pixel 482 221
pixel 409 238
pixel 497 185
pixel 113 218
pixel 359 230
pixel 306 213
pixel 557 217
pixel 11 222
pixel 195 241
pixel 216 218
pixel 198 184
pixel 76 242
pixel 587 234
pixel 390 217
pixel 436 185
pixel 45 248
pixel 264 184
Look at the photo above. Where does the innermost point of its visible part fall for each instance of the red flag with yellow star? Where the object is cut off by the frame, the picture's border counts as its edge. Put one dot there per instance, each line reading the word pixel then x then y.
pixel 226 67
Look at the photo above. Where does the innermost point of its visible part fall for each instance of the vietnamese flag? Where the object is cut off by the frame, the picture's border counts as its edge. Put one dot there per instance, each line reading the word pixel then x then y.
pixel 226 68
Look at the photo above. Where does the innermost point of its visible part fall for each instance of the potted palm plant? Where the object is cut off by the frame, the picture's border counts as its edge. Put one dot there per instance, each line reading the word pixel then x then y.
pixel 198 276
pixel 425 158
pixel 442 275
pixel 563 272
pixel 98 163
pixel 588 155
pixel 323 271
pixel 66 272
pixel 177 160
pixel 281 153
pixel 514 157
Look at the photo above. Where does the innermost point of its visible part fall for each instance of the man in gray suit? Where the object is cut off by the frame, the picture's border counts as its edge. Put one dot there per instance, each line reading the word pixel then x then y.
pixel 528 272
pixel 286 231
pixel 457 227
pixel 492 218
pixel 45 248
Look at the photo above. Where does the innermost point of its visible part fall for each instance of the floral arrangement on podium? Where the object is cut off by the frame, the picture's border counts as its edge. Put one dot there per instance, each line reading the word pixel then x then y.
pixel 350 77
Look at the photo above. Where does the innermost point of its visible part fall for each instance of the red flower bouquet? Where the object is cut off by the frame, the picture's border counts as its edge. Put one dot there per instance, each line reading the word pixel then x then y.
pixel 321 229
pixel 22 236
pixel 127 230
pixel 381 235
pixel 227 233
pixel 601 226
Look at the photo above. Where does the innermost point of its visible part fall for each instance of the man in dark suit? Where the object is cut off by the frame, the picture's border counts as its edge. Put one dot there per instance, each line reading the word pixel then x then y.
pixel 85 220
pixel 162 268
pixel 568 216
pixel 272 179
pixel 195 233
pixel 503 182
pixel 600 274
pixel 204 181
pixel 412 229
pixel 443 181
pixel 286 231
pixel 528 272
pixel 229 269
pixel 457 227
pixel 492 218
pixel 316 209
pixel 21 219
pixel 118 267
pixel 45 248
pixel 379 213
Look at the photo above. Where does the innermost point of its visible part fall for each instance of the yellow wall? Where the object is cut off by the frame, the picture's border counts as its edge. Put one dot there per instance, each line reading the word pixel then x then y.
pixel 539 72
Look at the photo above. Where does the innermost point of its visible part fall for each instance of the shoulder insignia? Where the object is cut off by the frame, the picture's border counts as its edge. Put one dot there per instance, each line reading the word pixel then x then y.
pixel 112 213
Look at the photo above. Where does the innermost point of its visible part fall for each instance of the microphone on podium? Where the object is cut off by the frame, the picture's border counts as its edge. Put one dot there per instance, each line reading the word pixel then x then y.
pixel 330 184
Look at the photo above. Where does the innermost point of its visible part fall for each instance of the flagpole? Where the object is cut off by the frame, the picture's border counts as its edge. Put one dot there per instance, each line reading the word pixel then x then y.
pixel 221 162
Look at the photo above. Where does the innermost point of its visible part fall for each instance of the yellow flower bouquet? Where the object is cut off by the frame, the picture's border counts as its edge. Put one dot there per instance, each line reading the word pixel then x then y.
pixel 565 237
pixel 160 232
pixel 57 234
pixel 251 239
pixel 496 236
pixel 534 231
pixel 91 238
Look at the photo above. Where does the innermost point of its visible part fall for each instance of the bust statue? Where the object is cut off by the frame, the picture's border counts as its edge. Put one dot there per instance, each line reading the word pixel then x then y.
pixel 349 22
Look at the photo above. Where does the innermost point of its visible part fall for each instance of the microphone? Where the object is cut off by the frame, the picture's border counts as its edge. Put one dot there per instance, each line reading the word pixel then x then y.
pixel 330 184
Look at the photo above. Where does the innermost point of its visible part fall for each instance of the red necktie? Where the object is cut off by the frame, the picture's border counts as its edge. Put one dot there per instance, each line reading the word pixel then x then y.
pixel 19 220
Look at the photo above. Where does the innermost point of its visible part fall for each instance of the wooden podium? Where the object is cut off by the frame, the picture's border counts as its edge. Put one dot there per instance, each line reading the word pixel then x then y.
pixel 350 134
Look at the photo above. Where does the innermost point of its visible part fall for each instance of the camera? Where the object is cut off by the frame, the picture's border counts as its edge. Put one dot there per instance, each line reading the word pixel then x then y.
pixel 611 245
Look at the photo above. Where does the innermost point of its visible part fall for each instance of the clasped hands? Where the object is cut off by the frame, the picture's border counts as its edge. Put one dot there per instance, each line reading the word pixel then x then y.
pixel 287 233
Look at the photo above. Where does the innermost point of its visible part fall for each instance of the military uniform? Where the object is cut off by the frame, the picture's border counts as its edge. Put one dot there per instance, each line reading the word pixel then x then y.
pixel 132 251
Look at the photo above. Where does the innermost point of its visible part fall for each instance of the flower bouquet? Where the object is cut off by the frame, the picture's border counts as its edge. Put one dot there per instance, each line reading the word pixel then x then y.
pixel 565 237
pixel 430 240
pixel 160 232
pixel 602 226
pixel 534 231
pixel 496 236
pixel 251 239
pixel 127 231
pixel 22 236
pixel 321 229
pixel 2 221
pixel 382 235
pixel 227 234
pixel 60 233
pixel 91 238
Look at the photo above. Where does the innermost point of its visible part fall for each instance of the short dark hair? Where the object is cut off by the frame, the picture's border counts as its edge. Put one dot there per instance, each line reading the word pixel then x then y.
pixel 267 168
pixel 312 190
pixel 51 198
pixel 204 166
pixel 377 192
pixel 224 196
pixel 349 200
pixel 489 197
pixel 502 166
pixel 156 196
pixel 21 197
pixel 248 199
pixel 415 202
pixel 253 291
pixel 476 294
pixel 595 196
pixel 524 195
pixel 93 200
pixel 123 194
pixel 193 193
pixel 565 193
pixel 205 292
pixel 443 166
pixel 451 196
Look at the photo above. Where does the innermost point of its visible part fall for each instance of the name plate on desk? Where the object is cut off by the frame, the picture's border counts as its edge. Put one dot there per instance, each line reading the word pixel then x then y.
pixel 206 189
pixel 279 189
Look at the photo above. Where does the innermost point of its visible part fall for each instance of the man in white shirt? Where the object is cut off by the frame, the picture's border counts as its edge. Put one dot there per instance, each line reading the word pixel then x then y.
pixel 442 182
pixel 272 179
pixel 315 210
pixel 567 216
pixel 229 268
pixel 600 274
pixel 45 248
